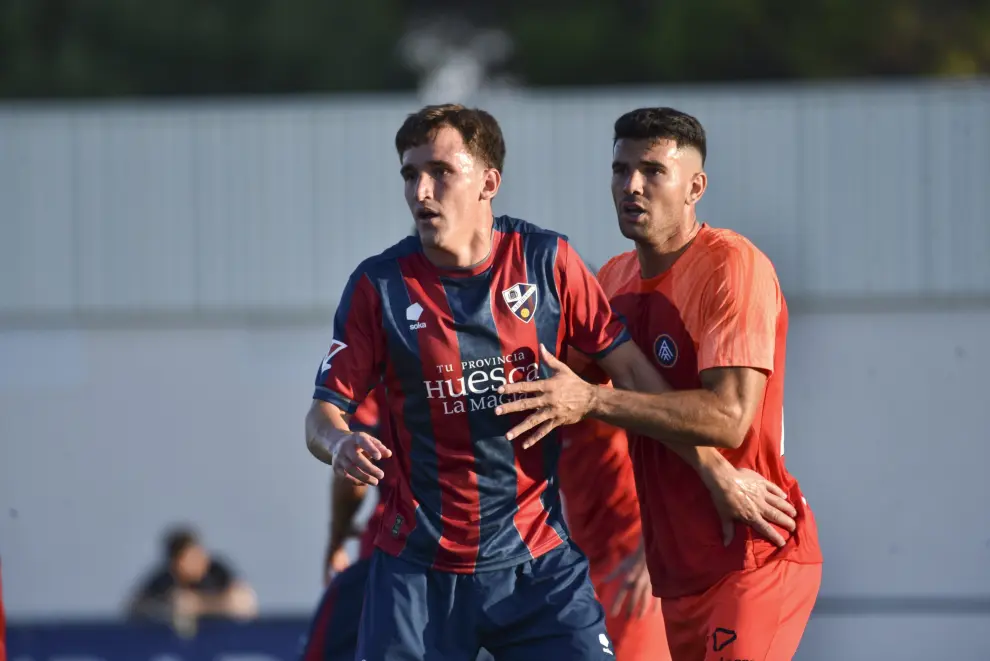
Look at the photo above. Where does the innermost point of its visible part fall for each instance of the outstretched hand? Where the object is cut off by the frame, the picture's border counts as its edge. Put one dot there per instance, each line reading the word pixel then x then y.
pixel 562 399
pixel 354 458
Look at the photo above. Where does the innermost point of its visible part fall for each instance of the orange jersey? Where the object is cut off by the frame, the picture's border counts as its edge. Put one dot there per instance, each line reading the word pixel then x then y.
pixel 719 305
pixel 600 504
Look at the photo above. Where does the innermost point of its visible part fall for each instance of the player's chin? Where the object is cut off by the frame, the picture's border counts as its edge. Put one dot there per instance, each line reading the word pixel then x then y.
pixel 633 228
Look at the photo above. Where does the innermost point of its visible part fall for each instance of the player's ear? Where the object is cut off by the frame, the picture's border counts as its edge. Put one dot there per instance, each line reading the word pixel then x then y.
pixel 490 183
pixel 699 184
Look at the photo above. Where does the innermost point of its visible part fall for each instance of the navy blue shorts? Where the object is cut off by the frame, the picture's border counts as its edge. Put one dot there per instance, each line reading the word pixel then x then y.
pixel 541 610
pixel 333 633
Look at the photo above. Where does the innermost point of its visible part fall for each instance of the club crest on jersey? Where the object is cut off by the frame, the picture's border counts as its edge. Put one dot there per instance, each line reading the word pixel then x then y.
pixel 665 349
pixel 521 299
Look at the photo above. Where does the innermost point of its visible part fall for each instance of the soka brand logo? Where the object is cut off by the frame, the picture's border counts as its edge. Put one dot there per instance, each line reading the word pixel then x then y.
pixel 476 389
pixel 413 313
pixel 521 299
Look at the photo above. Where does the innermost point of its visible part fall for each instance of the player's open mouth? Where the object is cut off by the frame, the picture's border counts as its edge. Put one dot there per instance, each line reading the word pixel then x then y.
pixel 426 214
pixel 632 210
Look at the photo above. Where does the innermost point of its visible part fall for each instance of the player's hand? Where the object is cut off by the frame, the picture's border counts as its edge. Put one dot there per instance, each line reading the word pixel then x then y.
pixel 746 496
pixel 636 591
pixel 562 399
pixel 336 562
pixel 354 456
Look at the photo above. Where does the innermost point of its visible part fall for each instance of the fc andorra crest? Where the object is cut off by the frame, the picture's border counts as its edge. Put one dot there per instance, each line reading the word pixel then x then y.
pixel 665 350
pixel 521 299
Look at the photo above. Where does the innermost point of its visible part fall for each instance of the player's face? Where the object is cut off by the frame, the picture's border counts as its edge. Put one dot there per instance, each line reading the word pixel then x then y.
pixel 448 190
pixel 655 186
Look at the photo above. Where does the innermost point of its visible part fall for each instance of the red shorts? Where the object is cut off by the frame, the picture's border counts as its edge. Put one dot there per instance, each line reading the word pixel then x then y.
pixel 754 615
pixel 634 639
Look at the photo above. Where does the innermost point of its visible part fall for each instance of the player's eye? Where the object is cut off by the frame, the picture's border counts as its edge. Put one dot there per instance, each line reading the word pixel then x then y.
pixel 654 172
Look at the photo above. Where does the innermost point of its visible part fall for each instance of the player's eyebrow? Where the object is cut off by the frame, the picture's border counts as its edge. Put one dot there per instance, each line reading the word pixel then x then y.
pixel 653 164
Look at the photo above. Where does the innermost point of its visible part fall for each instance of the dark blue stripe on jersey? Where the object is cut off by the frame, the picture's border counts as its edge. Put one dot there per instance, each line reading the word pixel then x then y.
pixel 404 355
pixel 540 251
pixel 339 325
pixel 495 463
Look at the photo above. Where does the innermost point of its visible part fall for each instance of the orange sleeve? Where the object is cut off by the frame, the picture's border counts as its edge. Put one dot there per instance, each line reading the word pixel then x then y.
pixel 737 325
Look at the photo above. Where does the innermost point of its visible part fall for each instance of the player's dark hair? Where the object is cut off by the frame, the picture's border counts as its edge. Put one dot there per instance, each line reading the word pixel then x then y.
pixel 178 540
pixel 481 133
pixel 662 124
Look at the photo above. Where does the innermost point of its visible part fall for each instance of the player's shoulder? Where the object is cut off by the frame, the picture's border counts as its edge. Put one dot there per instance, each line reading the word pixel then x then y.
pixel 618 271
pixel 510 225
pixel 729 248
pixel 377 265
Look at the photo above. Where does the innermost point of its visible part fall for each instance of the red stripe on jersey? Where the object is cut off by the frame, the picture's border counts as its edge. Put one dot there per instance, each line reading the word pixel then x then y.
pixel 531 517
pixel 460 503
pixel 399 499
pixel 558 271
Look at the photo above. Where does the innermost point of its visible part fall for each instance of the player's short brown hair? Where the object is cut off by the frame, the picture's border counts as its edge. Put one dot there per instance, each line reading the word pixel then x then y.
pixel 481 133
pixel 662 124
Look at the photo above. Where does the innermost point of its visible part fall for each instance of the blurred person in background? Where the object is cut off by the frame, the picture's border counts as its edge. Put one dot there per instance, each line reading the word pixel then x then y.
pixel 191 584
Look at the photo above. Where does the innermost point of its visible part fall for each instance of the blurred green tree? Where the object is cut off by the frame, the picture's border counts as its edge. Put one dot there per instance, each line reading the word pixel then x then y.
pixel 58 48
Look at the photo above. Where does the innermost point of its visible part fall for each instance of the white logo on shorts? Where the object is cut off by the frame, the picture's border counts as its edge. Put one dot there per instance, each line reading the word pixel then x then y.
pixel 603 639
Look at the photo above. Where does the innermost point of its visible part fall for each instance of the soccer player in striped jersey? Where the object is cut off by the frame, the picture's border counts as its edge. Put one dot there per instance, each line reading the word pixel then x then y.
pixel 706 305
pixel 473 551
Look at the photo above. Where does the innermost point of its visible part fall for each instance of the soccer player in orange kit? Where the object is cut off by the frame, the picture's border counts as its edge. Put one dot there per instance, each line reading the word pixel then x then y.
pixel 706 305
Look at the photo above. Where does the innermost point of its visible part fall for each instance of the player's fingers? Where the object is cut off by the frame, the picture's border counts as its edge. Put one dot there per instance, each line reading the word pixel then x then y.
pixel 358 457
pixel 531 421
pixel 619 601
pixel 372 442
pixel 341 473
pixel 371 446
pixel 539 433
pixel 768 532
pixel 521 404
pixel 645 590
pixel 728 531
pixel 357 464
pixel 345 469
pixel 775 490
pixel 781 505
pixel 778 518
pixel 523 387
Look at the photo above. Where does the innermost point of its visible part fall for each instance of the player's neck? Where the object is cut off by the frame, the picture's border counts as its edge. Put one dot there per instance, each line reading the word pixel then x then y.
pixel 470 253
pixel 659 254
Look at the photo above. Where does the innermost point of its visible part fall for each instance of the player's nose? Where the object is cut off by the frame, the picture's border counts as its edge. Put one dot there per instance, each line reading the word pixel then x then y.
pixel 424 188
pixel 633 185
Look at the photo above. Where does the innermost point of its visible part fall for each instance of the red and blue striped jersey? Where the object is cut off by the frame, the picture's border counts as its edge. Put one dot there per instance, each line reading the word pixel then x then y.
pixel 442 341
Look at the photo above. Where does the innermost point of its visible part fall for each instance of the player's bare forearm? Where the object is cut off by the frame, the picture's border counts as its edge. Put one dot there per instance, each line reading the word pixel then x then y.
pixel 645 403
pixel 685 418
pixel 346 498
pixel 325 425
pixel 633 371
pixel 718 414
